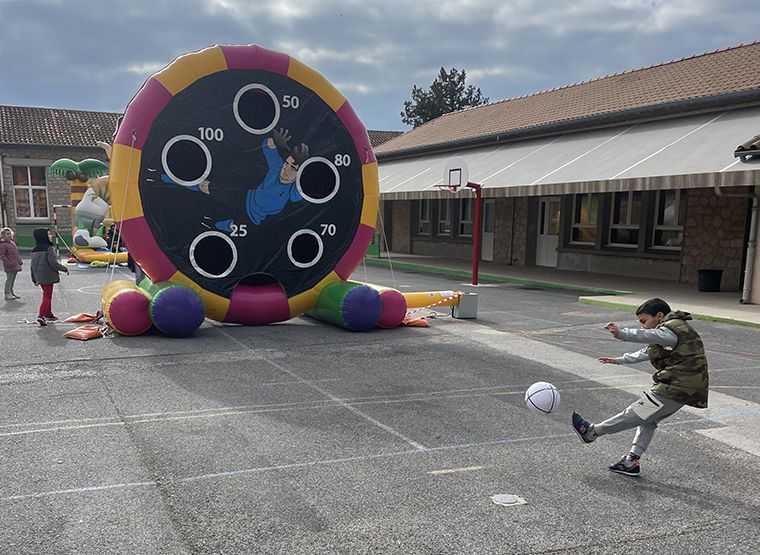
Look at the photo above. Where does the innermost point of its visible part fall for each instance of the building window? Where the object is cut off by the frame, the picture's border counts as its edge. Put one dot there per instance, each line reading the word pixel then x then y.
pixel 423 218
pixel 585 214
pixel 466 216
pixel 30 192
pixel 668 220
pixel 626 218
pixel 444 217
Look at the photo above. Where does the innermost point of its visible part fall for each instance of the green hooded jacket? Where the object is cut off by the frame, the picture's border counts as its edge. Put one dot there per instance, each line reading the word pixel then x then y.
pixel 681 370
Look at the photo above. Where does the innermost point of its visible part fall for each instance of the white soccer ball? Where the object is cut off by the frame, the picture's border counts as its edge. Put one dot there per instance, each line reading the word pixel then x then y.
pixel 542 397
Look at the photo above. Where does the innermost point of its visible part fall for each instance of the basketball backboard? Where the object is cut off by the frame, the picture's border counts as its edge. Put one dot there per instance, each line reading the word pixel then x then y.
pixel 455 175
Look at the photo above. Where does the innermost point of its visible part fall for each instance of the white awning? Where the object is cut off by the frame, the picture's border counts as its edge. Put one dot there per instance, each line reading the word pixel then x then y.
pixel 687 152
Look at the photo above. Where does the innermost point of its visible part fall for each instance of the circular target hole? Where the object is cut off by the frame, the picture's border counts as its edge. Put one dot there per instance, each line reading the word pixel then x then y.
pixel 213 254
pixel 318 180
pixel 305 248
pixel 186 160
pixel 256 109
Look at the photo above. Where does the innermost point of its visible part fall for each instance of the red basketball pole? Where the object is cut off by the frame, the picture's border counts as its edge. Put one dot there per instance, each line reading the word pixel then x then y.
pixel 476 234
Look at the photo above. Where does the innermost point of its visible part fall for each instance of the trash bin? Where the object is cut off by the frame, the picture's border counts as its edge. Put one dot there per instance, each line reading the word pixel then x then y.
pixel 709 280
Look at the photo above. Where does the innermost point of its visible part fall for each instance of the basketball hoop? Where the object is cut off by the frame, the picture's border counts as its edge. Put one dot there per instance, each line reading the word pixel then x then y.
pixel 454 175
pixel 449 188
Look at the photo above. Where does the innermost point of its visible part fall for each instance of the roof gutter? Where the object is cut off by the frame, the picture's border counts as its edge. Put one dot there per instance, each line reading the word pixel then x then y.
pixel 680 107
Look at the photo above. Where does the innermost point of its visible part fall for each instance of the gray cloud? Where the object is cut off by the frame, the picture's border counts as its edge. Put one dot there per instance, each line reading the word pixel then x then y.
pixel 96 55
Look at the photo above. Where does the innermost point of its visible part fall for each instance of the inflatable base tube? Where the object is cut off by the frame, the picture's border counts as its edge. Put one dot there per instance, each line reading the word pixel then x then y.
pixel 352 306
pixel 430 298
pixel 258 304
pixel 175 310
pixel 88 256
pixel 394 306
pixel 126 308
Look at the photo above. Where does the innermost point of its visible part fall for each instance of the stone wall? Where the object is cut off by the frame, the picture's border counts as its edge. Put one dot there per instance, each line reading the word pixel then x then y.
pixel 402 226
pixel 714 235
pixel 510 231
pixel 520 242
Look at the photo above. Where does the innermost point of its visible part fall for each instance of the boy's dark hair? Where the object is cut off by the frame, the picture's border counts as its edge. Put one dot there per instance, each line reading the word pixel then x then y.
pixel 653 306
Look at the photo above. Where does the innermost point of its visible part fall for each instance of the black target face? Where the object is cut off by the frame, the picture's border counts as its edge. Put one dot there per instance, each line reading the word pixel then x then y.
pixel 249 172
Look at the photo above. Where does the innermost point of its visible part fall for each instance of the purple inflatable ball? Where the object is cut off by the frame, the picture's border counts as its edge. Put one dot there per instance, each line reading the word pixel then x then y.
pixel 177 311
pixel 361 308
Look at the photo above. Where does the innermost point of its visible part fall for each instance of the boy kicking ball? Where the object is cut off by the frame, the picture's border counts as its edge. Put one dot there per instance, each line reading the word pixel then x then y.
pixel 678 355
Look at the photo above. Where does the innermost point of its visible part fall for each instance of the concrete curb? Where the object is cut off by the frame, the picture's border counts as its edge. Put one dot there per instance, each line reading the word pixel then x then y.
pixel 697 316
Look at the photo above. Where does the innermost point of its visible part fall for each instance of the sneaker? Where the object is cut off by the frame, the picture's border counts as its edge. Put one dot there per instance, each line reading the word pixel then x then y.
pixel 16 296
pixel 626 466
pixel 51 318
pixel 41 321
pixel 582 428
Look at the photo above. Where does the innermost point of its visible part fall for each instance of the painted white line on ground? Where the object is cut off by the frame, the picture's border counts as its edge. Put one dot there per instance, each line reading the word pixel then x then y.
pixel 327 394
pixel 306 464
pixel 37 495
pixel 455 470
pixel 743 432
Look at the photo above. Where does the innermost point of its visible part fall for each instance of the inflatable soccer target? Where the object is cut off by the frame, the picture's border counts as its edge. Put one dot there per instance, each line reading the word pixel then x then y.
pixel 244 174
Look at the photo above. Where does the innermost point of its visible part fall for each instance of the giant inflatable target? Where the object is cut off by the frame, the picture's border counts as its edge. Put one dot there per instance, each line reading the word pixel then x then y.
pixel 244 174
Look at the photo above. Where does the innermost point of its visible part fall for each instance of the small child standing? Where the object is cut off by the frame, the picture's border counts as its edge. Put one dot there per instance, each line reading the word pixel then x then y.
pixel 45 268
pixel 11 261
pixel 678 355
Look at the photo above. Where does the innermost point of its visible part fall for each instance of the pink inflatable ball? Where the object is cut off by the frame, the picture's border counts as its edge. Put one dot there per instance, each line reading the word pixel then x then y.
pixel 126 308
pixel 393 309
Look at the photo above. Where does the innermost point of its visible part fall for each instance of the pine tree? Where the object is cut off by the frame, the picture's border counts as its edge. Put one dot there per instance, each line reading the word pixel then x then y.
pixel 447 94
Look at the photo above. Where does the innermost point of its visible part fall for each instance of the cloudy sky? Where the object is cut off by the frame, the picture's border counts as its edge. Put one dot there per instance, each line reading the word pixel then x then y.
pixel 95 55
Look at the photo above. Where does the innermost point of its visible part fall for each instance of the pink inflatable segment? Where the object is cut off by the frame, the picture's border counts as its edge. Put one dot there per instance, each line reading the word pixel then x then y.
pixel 144 248
pixel 128 312
pixel 394 308
pixel 354 126
pixel 255 57
pixel 258 305
pixel 141 112
pixel 355 252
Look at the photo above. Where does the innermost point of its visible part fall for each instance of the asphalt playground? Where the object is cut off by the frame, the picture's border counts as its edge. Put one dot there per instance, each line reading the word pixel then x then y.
pixel 304 438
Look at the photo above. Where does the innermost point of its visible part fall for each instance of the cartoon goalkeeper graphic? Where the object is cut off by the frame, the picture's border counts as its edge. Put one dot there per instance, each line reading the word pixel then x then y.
pixel 275 190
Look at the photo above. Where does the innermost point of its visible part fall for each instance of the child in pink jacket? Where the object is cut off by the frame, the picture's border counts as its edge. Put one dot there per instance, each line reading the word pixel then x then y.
pixel 11 261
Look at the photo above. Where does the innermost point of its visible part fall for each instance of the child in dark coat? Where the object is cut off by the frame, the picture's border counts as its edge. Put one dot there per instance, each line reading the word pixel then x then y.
pixel 11 261
pixel 45 268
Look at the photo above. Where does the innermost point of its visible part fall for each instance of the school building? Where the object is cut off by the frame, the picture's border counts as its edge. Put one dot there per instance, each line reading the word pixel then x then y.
pixel 652 172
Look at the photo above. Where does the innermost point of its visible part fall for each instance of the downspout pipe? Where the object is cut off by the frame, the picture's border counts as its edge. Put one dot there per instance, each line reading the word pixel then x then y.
pixel 751 242
pixel 2 194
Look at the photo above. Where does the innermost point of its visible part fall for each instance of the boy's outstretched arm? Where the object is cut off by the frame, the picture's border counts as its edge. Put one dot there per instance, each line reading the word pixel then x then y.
pixel 628 358
pixel 654 336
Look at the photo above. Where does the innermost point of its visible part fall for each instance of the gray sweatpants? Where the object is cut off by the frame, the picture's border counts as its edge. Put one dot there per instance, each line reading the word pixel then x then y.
pixel 645 426
pixel 10 278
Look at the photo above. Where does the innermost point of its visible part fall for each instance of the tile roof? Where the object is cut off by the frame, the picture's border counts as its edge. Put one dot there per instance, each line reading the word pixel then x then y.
pixel 24 125
pixel 715 74
pixel 376 138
